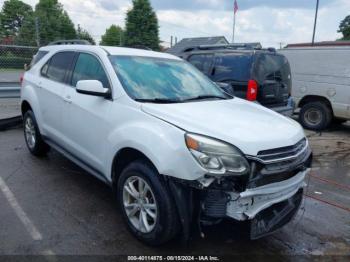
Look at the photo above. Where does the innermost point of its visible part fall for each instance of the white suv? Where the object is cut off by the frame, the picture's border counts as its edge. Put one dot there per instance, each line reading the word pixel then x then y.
pixel 177 150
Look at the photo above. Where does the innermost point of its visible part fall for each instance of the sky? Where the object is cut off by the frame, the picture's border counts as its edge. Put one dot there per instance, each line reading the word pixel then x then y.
pixel 271 22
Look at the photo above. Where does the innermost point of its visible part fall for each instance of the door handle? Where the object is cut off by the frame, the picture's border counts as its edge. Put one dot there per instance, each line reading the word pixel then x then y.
pixel 40 85
pixel 67 99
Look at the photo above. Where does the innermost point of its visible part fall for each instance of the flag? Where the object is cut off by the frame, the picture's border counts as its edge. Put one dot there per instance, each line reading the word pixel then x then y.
pixel 235 7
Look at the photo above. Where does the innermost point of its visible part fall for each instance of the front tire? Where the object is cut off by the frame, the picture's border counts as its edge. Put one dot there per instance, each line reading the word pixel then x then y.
pixel 315 116
pixel 147 206
pixel 32 135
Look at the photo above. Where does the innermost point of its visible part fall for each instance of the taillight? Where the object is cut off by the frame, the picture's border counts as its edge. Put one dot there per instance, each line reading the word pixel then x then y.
pixel 21 78
pixel 252 91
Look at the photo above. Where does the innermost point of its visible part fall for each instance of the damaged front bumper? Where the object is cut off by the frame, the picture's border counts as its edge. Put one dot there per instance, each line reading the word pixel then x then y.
pixel 266 208
pixel 246 205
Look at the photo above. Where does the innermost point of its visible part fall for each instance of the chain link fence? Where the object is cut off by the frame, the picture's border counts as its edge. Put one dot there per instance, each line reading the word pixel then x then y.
pixel 13 60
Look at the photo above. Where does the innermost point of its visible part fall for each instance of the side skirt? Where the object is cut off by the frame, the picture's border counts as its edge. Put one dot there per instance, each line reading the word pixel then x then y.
pixel 77 161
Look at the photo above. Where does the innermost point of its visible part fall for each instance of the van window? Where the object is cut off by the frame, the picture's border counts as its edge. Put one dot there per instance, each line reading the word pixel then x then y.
pixel 202 62
pixel 232 66
pixel 56 68
pixel 89 68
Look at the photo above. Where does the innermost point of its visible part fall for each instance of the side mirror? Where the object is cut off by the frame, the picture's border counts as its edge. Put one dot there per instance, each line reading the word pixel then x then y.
pixel 227 88
pixel 92 87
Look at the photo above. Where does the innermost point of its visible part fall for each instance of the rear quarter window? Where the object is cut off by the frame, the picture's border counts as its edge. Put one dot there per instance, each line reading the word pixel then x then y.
pixel 203 62
pixel 233 67
pixel 36 58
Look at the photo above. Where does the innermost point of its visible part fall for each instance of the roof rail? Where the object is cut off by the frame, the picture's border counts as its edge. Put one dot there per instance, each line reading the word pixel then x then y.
pixel 70 42
pixel 235 46
pixel 141 47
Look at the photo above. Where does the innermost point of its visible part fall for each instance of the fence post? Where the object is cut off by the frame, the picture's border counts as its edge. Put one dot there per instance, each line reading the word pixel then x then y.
pixel 37 31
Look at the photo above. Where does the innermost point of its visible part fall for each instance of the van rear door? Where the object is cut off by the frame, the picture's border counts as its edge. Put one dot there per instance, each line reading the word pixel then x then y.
pixel 272 73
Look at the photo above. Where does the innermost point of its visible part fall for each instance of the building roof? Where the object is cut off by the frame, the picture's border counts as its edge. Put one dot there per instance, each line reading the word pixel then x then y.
pixel 323 43
pixel 196 41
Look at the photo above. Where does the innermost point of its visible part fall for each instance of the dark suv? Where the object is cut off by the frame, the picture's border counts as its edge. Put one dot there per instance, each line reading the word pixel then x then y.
pixel 255 74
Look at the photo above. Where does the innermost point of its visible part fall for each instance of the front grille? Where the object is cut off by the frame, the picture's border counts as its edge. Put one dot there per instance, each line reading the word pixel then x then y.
pixel 286 163
pixel 282 153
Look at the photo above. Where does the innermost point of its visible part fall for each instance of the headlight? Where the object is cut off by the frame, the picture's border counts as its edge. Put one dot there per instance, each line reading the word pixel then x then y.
pixel 216 156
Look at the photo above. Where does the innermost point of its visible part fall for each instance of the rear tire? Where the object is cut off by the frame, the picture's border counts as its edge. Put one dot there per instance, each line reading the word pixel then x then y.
pixel 315 115
pixel 162 221
pixel 32 135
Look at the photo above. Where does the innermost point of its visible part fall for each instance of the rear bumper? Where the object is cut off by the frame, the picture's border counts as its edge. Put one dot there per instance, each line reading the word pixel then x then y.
pixel 287 110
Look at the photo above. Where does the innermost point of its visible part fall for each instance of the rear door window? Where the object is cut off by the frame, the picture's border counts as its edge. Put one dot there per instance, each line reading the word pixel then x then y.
pixel 88 67
pixel 56 68
pixel 232 67
pixel 202 61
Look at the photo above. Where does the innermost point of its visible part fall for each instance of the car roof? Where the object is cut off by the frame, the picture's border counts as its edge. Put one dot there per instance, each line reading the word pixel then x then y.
pixel 110 50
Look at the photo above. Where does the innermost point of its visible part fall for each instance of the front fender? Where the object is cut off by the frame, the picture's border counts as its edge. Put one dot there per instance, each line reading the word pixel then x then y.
pixel 161 142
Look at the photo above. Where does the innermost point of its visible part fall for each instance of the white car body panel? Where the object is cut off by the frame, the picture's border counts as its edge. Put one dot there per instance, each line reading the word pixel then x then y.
pixel 248 126
pixel 91 130
pixel 321 71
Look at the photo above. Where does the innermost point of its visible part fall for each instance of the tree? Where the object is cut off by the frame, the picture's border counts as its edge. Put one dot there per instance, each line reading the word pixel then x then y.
pixel 113 36
pixel 142 26
pixel 344 28
pixel 84 35
pixel 27 34
pixel 53 22
pixel 13 16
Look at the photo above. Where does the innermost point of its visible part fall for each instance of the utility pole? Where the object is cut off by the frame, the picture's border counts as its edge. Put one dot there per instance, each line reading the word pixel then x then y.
pixel 37 36
pixel 235 9
pixel 234 27
pixel 313 34
pixel 171 41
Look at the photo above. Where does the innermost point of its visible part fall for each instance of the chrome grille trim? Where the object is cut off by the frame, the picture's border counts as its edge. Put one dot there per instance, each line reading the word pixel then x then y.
pixel 285 153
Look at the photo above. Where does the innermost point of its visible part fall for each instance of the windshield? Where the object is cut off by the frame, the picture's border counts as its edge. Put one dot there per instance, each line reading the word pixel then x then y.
pixel 149 78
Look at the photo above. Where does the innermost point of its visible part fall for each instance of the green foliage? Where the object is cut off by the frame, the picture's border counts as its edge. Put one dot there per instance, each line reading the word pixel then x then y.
pixel 113 36
pixel 142 26
pixel 344 28
pixel 54 22
pixel 27 33
pixel 13 16
pixel 84 35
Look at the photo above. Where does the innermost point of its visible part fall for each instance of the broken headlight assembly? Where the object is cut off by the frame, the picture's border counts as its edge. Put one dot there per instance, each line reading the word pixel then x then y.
pixel 218 157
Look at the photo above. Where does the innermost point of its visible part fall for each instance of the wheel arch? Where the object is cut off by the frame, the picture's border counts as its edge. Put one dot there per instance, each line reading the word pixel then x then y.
pixel 314 98
pixel 25 106
pixel 123 158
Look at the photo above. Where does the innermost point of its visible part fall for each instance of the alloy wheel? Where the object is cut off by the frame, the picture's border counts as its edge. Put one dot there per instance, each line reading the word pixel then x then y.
pixel 30 133
pixel 140 204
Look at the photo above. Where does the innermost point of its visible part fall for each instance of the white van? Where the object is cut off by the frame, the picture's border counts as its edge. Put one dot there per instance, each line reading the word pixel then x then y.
pixel 321 84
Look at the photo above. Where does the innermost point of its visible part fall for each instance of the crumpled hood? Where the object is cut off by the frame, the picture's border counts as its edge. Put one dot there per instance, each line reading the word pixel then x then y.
pixel 246 125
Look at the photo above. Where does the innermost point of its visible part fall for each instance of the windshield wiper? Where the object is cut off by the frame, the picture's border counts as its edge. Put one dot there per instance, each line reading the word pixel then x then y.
pixel 158 100
pixel 204 97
